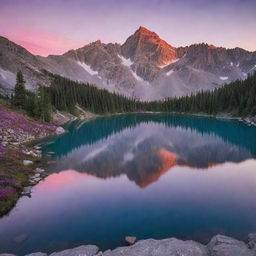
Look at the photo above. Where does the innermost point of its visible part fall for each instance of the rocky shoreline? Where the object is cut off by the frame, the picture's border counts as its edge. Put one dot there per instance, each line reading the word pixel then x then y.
pixel 19 161
pixel 219 245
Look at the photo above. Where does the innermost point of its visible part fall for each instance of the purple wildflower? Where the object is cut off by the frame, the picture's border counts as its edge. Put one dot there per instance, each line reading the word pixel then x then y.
pixel 6 192
pixel 9 182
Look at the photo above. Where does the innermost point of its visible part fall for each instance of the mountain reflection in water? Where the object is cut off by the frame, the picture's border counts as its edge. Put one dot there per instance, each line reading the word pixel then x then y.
pixel 150 176
pixel 144 147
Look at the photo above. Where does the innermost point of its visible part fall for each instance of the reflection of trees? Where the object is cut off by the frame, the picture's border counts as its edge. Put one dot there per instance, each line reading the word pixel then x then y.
pixel 152 149
pixel 232 132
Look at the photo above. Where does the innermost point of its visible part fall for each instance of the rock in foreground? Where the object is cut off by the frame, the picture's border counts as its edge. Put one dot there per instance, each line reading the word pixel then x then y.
pixel 165 247
pixel 218 246
pixel 130 239
pixel 226 246
pixel 85 250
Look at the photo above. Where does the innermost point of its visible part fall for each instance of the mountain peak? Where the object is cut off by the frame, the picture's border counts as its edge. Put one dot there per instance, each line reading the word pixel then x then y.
pixel 97 43
pixel 146 46
pixel 145 31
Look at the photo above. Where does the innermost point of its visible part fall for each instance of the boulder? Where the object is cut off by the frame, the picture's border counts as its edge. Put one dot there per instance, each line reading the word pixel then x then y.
pixel 226 246
pixel 27 162
pixel 252 241
pixel 165 247
pixel 59 130
pixel 88 250
pixel 39 170
pixel 26 190
pixel 130 239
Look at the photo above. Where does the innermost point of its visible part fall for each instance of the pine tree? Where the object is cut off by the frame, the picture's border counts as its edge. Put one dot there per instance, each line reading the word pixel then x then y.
pixel 30 105
pixel 19 91
pixel 44 107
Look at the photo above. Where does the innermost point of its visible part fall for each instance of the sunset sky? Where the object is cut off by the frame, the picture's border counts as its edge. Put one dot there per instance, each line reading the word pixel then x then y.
pixel 55 26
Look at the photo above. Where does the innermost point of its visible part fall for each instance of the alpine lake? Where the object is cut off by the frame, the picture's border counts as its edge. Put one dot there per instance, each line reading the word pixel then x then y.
pixel 143 175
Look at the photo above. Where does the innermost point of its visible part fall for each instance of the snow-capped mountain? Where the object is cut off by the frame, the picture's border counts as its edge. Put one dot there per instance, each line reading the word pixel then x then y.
pixel 145 66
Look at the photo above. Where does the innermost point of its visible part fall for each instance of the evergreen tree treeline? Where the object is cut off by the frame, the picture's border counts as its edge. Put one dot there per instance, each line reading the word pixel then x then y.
pixel 65 94
pixel 238 98
pixel 37 106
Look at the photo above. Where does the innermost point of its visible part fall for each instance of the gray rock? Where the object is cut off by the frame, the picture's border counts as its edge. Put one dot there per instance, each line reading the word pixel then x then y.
pixel 27 162
pixel 60 130
pixel 39 170
pixel 130 239
pixel 37 254
pixel 226 246
pixel 165 247
pixel 84 250
pixel 252 241
pixel 6 254
pixel 27 190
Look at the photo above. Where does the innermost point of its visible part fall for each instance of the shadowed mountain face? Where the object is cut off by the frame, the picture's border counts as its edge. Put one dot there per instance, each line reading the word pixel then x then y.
pixel 145 66
pixel 144 147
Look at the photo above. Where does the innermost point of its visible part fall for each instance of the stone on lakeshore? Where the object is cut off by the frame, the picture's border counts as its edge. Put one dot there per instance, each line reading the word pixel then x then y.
pixel 27 162
pixel 36 179
pixel 26 190
pixel 252 241
pixel 130 239
pixel 39 170
pixel 165 247
pixel 59 130
pixel 6 254
pixel 84 250
pixel 37 254
pixel 226 246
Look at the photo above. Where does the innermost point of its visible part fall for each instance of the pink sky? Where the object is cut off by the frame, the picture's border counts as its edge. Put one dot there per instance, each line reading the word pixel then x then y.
pixel 54 27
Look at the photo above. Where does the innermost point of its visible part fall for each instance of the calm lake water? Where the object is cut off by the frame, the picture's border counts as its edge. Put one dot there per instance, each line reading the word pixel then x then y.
pixel 151 176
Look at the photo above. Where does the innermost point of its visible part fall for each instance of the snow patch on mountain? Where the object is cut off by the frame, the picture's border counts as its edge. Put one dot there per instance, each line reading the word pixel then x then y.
pixel 168 63
pixel 87 68
pixel 136 76
pixel 170 72
pixel 128 63
pixel 224 78
pixel 252 68
pixel 125 62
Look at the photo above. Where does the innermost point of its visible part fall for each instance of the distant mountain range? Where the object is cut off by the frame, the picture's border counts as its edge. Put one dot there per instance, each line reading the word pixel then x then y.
pixel 144 67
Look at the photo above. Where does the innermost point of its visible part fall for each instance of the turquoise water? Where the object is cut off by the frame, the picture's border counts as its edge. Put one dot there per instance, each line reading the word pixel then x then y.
pixel 151 176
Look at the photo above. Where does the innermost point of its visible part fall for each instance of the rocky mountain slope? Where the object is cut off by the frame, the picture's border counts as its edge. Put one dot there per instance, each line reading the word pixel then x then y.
pixel 145 66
